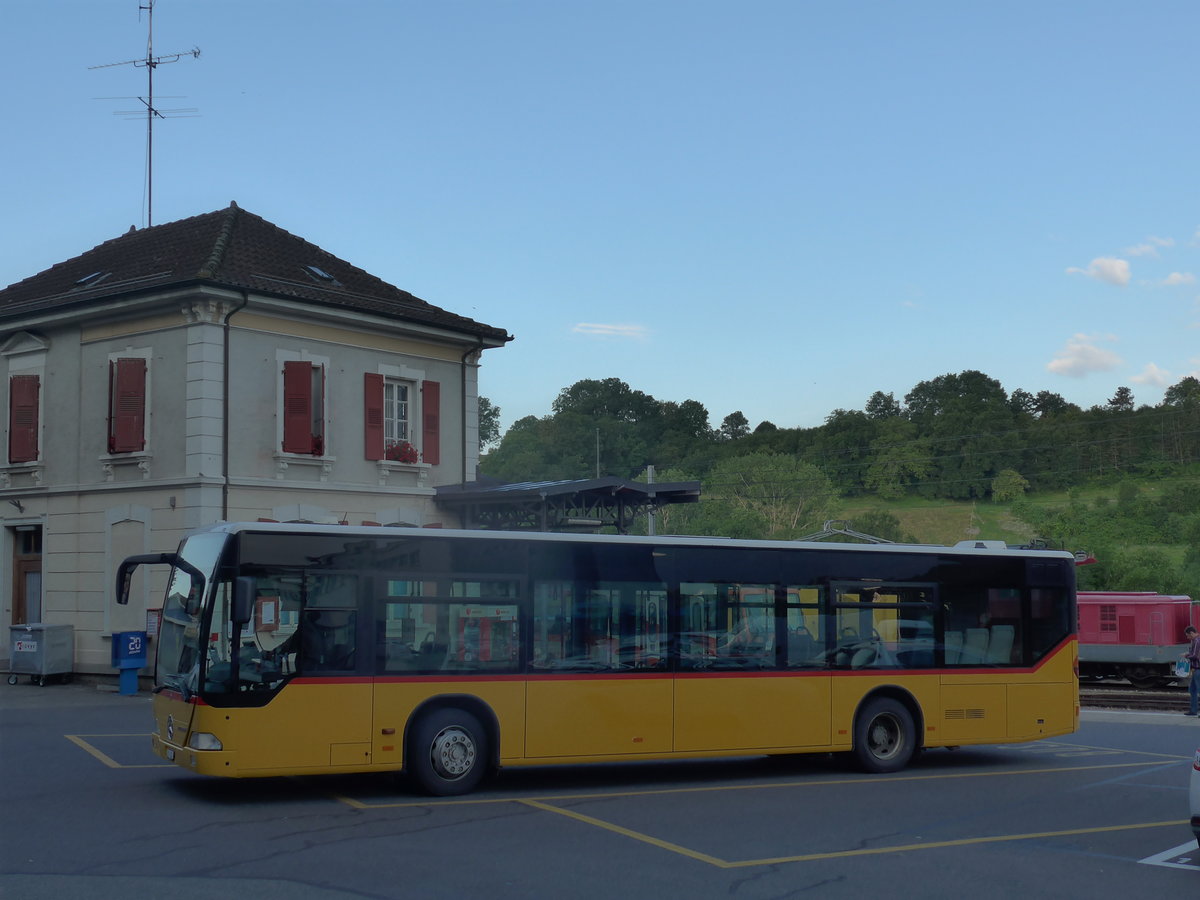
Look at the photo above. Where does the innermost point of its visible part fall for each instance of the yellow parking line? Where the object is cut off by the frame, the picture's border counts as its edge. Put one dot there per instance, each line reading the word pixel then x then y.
pixel 834 854
pixel 775 786
pixel 78 740
pixel 962 842
pixel 636 835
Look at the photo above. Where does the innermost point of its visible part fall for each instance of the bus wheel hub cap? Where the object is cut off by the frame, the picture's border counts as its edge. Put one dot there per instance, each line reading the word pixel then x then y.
pixel 453 752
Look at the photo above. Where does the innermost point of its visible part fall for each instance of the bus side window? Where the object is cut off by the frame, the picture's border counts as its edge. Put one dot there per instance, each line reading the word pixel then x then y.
pixel 327 641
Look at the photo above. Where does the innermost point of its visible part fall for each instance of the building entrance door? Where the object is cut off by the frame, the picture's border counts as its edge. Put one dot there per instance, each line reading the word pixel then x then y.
pixel 27 574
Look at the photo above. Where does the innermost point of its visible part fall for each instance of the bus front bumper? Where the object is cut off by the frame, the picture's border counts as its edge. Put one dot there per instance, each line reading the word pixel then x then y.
pixel 202 762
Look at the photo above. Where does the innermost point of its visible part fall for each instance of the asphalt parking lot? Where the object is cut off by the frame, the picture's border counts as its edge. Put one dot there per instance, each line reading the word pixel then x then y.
pixel 90 812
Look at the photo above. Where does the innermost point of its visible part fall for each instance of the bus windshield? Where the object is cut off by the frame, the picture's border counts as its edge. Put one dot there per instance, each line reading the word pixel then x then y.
pixel 180 643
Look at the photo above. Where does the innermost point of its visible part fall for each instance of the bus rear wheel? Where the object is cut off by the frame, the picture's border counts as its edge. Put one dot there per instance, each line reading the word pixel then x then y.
pixel 884 737
pixel 447 752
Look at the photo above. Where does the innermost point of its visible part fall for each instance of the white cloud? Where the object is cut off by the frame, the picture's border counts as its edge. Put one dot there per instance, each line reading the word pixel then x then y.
pixel 1149 247
pixel 1106 269
pixel 636 332
pixel 1176 278
pixel 1153 376
pixel 1081 356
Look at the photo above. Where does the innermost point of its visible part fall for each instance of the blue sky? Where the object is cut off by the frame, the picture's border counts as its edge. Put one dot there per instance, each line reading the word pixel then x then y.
pixel 771 207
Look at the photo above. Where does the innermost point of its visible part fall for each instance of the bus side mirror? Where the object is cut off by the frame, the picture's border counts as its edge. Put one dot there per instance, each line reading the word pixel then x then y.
pixel 124 578
pixel 125 571
pixel 243 599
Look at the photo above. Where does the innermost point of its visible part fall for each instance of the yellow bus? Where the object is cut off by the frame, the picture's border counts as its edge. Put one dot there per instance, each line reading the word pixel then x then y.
pixel 303 649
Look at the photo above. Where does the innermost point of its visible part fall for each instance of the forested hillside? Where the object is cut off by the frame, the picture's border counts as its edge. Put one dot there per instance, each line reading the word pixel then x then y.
pixel 1119 480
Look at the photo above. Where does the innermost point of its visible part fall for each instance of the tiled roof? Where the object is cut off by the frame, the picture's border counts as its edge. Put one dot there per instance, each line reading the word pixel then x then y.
pixel 229 248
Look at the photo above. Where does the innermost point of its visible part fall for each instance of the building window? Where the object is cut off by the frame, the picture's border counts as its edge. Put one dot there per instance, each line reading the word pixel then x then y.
pixel 390 406
pixel 23 391
pixel 395 414
pixel 304 408
pixel 126 405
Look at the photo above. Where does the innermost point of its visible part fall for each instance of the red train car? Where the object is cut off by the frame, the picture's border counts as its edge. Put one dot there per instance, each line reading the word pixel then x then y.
pixel 1133 635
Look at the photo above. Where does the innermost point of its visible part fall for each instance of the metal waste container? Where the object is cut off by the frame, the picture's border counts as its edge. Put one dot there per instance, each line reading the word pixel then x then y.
pixel 40 651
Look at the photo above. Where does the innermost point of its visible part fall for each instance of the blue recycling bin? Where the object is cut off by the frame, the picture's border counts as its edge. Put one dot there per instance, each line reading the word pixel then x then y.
pixel 129 655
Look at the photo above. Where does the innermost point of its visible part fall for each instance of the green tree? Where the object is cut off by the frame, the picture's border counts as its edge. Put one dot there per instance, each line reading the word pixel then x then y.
pixel 600 427
pixel 1186 392
pixel 1008 486
pixel 841 448
pixel 899 458
pixel 970 426
pixel 882 406
pixel 734 426
pixel 778 496
pixel 1022 402
pixel 610 398
pixel 1047 403
pixel 1121 401
pixel 489 423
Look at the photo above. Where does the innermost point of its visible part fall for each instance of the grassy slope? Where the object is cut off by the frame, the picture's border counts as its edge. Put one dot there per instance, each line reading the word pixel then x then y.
pixel 949 521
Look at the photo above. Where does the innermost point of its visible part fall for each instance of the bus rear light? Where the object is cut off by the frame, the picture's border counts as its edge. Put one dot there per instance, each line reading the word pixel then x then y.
pixel 202 740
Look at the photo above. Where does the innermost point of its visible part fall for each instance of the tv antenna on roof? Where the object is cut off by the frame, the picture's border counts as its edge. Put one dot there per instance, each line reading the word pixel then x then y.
pixel 151 62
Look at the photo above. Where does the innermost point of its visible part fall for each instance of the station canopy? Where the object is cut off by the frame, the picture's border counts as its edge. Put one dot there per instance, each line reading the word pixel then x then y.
pixel 580 506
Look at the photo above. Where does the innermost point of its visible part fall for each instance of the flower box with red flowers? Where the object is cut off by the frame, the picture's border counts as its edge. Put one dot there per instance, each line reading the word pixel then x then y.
pixel 403 452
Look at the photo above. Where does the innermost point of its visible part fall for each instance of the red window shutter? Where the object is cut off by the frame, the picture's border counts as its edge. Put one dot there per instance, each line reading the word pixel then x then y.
pixel 431 440
pixel 127 405
pixel 23 418
pixel 298 407
pixel 373 415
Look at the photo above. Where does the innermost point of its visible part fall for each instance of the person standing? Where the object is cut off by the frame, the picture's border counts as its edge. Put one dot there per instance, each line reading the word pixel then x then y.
pixel 1193 658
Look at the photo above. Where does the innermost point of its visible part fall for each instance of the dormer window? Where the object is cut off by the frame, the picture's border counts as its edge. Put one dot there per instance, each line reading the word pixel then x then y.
pixel 319 274
pixel 91 280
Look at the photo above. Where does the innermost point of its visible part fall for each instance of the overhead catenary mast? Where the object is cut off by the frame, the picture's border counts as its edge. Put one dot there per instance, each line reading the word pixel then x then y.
pixel 150 63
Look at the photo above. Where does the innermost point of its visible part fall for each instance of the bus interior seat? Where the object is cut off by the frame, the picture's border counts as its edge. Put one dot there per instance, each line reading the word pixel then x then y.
pixel 975 645
pixel 1001 644
pixel 863 657
pixel 954 640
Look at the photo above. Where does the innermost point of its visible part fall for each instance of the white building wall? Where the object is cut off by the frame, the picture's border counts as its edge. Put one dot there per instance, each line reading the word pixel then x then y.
pixel 96 508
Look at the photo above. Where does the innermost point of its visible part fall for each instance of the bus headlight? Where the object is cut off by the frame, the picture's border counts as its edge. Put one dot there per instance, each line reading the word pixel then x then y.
pixel 202 740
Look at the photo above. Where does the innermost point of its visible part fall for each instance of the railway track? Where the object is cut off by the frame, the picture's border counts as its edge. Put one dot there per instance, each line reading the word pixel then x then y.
pixel 1117 696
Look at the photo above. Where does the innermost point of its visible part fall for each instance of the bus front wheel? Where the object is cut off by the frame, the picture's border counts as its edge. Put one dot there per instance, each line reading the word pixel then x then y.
pixel 884 736
pixel 448 752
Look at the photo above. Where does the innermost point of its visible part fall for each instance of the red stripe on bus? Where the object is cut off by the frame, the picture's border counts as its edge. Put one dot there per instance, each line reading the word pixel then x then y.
pixel 433 678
